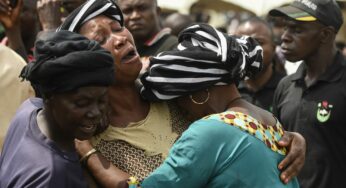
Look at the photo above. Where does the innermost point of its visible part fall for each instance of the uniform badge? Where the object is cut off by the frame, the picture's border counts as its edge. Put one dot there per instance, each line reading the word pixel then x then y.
pixel 323 111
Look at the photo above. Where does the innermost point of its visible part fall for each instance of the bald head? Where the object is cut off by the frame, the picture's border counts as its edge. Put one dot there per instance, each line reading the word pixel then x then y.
pixel 177 22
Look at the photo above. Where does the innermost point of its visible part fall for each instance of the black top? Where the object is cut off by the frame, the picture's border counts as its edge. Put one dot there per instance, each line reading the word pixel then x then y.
pixel 264 96
pixel 167 42
pixel 318 113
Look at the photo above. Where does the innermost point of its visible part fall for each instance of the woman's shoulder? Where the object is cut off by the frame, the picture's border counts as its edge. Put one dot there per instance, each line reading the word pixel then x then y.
pixel 246 124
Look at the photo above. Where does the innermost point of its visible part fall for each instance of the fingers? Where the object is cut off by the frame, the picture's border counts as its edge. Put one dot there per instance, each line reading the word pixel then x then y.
pixel 294 160
pixel 286 139
pixel 5 7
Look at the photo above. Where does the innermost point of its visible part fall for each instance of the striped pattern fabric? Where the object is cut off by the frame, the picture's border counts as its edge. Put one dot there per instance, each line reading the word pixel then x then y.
pixel 89 10
pixel 204 57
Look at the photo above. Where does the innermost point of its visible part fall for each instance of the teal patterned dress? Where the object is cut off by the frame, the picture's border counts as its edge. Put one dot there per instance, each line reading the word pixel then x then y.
pixel 223 150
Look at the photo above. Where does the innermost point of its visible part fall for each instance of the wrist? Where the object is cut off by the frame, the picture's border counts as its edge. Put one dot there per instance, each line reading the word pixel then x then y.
pixel 84 158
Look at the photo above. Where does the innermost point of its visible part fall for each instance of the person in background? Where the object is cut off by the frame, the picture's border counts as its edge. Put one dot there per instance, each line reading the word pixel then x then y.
pixel 234 143
pixel 177 22
pixel 21 26
pixel 277 25
pixel 73 74
pixel 260 89
pixel 140 132
pixel 142 19
pixel 13 91
pixel 312 100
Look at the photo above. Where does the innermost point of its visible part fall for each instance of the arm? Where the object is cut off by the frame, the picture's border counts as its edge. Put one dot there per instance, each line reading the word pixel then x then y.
pixel 10 18
pixel 49 13
pixel 191 161
pixel 106 174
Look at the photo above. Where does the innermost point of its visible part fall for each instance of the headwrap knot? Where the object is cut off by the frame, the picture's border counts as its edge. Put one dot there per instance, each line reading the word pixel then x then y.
pixel 204 57
pixel 66 61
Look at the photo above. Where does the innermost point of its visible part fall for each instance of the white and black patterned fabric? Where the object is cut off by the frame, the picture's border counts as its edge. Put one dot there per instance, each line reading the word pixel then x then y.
pixel 204 57
pixel 89 10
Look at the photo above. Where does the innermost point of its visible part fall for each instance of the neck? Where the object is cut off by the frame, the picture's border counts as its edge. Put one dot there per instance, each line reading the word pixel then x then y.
pixel 317 64
pixel 126 105
pixel 260 80
pixel 51 131
pixel 140 41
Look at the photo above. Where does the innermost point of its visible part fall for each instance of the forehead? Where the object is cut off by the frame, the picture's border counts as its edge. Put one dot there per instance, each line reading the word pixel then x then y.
pixel 254 28
pixel 100 20
pixel 135 3
pixel 87 91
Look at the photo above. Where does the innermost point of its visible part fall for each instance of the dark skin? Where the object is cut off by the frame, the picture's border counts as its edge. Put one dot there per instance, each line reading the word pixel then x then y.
pixel 10 19
pixel 75 114
pixel 52 12
pixel 133 108
pixel 311 42
pixel 141 18
pixel 264 37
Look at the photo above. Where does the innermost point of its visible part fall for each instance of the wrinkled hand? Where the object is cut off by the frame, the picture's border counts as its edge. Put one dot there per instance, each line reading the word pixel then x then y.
pixel 82 147
pixel 294 161
pixel 50 14
pixel 10 17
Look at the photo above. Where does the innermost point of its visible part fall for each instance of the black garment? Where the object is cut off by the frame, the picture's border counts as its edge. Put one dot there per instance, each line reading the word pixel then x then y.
pixel 317 112
pixel 167 42
pixel 263 97
pixel 66 61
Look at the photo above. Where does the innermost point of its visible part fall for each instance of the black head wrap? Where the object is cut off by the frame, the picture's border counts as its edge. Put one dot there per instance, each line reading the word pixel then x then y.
pixel 89 10
pixel 66 61
pixel 203 58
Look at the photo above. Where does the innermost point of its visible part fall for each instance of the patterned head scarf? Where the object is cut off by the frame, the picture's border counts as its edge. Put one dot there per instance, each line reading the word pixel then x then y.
pixel 203 58
pixel 89 10
pixel 66 61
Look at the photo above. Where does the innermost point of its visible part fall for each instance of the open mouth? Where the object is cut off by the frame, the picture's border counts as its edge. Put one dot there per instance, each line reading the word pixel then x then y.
pixel 89 128
pixel 129 56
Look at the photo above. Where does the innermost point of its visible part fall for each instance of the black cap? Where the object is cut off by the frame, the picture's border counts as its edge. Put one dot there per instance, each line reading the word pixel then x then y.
pixel 326 11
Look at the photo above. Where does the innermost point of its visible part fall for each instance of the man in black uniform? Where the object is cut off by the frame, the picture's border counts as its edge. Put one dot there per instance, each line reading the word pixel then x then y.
pixel 313 100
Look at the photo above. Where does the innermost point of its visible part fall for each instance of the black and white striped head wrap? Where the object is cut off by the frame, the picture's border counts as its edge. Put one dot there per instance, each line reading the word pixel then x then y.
pixel 89 10
pixel 203 58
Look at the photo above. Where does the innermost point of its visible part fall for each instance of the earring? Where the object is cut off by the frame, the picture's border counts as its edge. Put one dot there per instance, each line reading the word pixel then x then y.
pixel 194 101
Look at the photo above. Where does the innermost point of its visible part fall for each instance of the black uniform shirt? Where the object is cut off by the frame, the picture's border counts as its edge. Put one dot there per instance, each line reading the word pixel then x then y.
pixel 317 112
pixel 263 97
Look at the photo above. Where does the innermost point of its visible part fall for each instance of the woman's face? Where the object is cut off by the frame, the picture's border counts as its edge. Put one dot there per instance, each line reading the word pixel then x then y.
pixel 77 114
pixel 119 41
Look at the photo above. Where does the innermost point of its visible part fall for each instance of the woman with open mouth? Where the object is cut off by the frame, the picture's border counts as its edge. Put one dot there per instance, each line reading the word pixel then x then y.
pixel 140 133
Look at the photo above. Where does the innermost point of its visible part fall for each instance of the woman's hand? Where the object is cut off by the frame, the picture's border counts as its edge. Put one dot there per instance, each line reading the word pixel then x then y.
pixel 50 13
pixel 83 147
pixel 10 16
pixel 294 161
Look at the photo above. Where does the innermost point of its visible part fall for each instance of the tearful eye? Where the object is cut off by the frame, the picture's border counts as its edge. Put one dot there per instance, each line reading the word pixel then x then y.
pixel 118 29
pixel 132 53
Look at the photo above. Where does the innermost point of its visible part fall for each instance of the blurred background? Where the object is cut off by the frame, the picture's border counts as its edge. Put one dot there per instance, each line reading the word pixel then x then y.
pixel 227 14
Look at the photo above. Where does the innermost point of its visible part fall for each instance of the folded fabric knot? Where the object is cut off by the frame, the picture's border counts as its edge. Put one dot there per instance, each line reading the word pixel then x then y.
pixel 204 57
pixel 66 61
